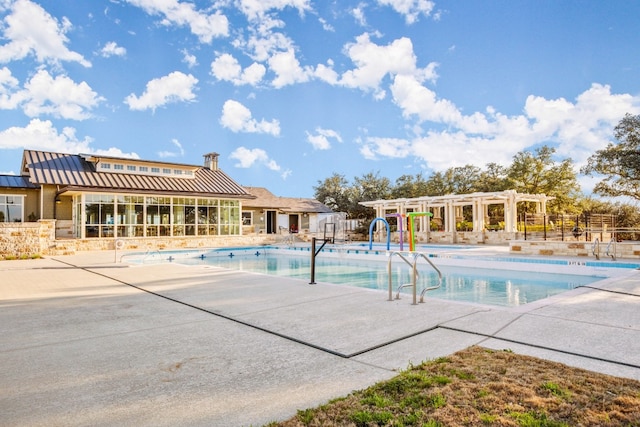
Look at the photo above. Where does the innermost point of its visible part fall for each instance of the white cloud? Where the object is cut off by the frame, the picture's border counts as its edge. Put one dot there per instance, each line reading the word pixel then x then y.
pixel 59 97
pixel 174 87
pixel 204 25
pixel 247 158
pixel 411 9
pixel 358 14
pixel 112 49
pixel 42 135
pixel 189 59
pixel 256 9
pixel 325 25
pixel 326 73
pixel 238 118
pixel 576 129
pixel 287 69
pixel 9 98
pixel 226 67
pixel 386 147
pixel 584 126
pixel 374 62
pixel 263 41
pixel 415 99
pixel 168 153
pixel 44 94
pixel 320 141
pixel 286 174
pixel 31 30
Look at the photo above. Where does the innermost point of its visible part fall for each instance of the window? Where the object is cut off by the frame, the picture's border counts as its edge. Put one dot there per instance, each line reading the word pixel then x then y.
pixel 207 217
pixel 11 208
pixel 111 215
pixel 188 173
pixel 184 216
pixel 229 217
pixel 105 165
pixel 166 171
pixel 130 218
pixel 118 167
pixel 155 170
pixel 158 216
pixel 177 172
pixel 143 168
pixel 99 215
pixel 131 168
pixel 247 218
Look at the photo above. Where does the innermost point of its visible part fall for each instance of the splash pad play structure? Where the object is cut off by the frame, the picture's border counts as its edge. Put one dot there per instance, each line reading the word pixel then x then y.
pixel 400 217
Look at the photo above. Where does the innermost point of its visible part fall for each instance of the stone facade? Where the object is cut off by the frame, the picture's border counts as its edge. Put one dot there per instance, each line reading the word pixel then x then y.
pixel 627 250
pixel 460 237
pixel 31 239
pixel 26 239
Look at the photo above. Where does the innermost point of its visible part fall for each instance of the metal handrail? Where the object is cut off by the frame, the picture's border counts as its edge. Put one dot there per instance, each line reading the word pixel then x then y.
pixel 612 242
pixel 596 245
pixel 414 275
pixel 429 288
pixel 401 255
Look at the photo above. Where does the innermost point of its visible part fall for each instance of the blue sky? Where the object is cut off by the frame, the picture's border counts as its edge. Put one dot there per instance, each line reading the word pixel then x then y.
pixel 289 92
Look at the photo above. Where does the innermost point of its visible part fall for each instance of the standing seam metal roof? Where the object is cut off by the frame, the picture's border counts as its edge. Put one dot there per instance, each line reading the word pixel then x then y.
pixel 14 181
pixel 68 170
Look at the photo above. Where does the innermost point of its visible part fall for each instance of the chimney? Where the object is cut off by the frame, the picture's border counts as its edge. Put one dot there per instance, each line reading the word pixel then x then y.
pixel 211 161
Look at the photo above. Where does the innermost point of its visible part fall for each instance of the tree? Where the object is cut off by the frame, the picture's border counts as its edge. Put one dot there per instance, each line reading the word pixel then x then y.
pixel 368 187
pixel 455 180
pixel 538 173
pixel 334 192
pixel 619 163
pixel 463 179
pixel 493 178
pixel 437 185
pixel 409 186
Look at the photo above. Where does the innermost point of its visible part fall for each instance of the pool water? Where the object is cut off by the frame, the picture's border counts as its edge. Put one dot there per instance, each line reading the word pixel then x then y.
pixel 477 285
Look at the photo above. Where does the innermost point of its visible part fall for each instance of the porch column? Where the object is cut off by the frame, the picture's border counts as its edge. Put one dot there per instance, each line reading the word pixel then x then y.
pixel 478 215
pixel 450 217
pixel 510 214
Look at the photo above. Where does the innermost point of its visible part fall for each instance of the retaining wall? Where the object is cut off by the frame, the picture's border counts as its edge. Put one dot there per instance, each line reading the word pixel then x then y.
pixel 575 248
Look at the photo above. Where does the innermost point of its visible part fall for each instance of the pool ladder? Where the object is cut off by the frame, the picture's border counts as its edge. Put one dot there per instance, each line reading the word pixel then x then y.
pixel 610 251
pixel 414 274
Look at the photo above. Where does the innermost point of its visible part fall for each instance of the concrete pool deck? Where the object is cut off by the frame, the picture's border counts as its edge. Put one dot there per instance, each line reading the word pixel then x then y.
pixel 88 341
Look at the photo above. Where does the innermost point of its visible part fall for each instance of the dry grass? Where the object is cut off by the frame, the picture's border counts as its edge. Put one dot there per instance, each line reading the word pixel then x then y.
pixel 478 386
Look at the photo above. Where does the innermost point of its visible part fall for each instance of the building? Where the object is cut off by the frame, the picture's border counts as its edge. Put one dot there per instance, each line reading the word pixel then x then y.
pixel 270 214
pixel 86 197
pixel 61 203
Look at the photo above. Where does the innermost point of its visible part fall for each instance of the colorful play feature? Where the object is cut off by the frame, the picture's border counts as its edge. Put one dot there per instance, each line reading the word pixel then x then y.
pixel 412 240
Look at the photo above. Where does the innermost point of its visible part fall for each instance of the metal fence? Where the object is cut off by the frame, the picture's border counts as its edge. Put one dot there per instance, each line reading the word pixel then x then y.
pixel 585 227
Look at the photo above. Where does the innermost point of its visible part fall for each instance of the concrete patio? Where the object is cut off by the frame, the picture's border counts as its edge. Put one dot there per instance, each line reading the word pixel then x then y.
pixel 88 341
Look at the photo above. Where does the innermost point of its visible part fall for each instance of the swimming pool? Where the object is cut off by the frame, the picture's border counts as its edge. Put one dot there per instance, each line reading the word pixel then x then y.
pixel 493 281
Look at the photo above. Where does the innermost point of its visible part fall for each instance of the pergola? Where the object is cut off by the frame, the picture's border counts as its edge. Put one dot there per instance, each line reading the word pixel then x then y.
pixel 448 208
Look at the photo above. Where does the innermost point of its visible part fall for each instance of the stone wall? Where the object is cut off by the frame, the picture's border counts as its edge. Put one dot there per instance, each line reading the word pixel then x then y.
pixel 26 239
pixel 31 239
pixel 627 250
pixel 71 246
